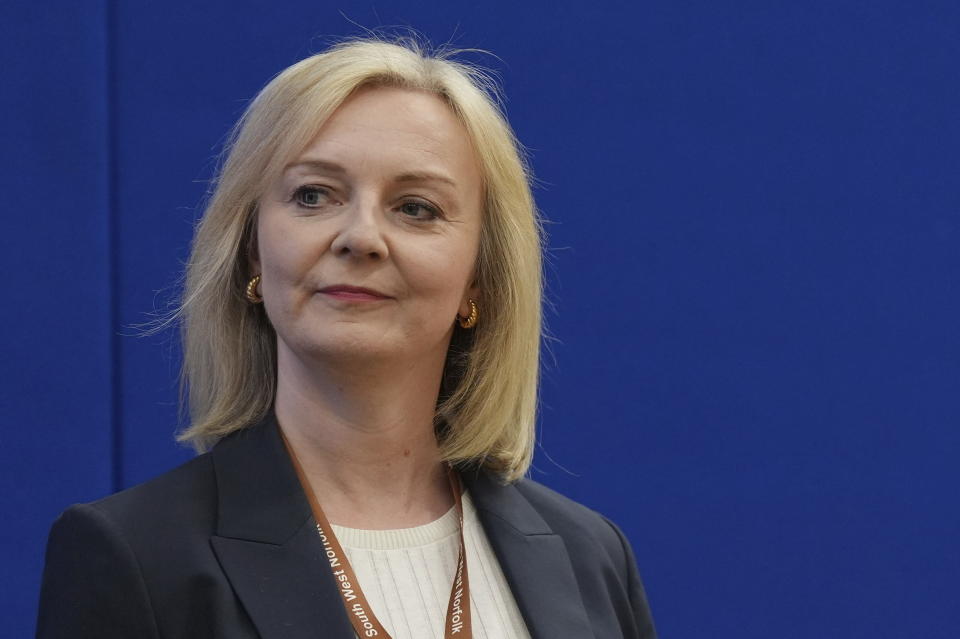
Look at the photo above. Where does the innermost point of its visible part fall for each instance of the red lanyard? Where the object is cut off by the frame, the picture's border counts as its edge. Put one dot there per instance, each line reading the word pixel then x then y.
pixel 361 615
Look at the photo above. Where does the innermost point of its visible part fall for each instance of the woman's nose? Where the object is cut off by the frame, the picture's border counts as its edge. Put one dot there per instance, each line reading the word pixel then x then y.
pixel 359 234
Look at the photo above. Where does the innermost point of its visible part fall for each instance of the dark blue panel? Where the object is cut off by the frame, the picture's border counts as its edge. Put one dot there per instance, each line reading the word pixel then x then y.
pixel 755 257
pixel 55 446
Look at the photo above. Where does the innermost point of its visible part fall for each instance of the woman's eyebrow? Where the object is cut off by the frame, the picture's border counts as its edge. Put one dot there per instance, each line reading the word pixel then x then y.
pixel 317 165
pixel 336 169
pixel 424 176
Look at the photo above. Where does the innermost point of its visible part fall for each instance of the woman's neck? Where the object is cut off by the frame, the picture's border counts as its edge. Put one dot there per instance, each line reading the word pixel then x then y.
pixel 366 442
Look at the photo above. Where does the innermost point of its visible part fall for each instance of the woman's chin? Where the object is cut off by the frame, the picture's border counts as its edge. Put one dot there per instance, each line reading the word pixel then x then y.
pixel 352 352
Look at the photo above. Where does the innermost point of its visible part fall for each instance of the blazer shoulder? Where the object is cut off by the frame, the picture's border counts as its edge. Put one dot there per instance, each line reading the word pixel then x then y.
pixel 92 583
pixel 137 563
pixel 571 519
pixel 590 536
pixel 181 498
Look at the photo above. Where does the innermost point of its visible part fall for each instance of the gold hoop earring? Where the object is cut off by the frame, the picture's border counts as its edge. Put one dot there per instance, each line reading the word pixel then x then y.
pixel 252 296
pixel 471 320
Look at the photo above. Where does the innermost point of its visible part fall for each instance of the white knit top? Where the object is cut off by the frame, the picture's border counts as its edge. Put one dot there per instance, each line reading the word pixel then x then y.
pixel 406 575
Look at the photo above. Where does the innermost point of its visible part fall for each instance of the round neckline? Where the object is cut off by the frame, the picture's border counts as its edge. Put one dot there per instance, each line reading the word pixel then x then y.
pixel 432 532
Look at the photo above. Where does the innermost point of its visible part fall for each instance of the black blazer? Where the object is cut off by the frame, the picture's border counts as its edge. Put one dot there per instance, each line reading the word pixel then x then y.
pixel 225 547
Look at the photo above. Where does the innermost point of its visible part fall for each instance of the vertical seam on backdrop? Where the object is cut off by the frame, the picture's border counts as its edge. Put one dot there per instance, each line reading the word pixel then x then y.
pixel 116 429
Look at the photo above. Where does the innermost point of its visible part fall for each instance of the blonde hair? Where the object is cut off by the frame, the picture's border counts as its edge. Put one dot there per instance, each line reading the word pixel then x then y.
pixel 486 411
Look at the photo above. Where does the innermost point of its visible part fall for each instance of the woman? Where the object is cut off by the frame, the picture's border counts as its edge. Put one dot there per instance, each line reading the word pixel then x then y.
pixel 361 324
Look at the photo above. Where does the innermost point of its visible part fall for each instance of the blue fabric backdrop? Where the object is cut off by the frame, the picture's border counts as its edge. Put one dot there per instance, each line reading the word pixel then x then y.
pixel 753 267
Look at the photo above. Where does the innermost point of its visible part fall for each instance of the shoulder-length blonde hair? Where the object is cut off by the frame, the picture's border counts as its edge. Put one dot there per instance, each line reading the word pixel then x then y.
pixel 486 411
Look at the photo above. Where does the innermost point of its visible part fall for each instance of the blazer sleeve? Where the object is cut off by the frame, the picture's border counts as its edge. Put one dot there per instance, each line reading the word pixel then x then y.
pixel 638 597
pixel 92 584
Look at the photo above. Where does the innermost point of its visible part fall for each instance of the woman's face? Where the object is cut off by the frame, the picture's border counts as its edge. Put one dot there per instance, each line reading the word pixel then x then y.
pixel 387 197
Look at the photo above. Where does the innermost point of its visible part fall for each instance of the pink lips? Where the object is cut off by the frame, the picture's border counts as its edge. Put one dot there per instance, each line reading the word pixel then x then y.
pixel 357 293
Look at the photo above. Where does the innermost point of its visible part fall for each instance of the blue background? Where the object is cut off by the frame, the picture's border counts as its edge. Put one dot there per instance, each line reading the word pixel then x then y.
pixel 753 268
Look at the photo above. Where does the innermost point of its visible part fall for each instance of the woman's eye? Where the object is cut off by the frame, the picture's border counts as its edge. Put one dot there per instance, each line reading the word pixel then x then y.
pixel 419 210
pixel 311 196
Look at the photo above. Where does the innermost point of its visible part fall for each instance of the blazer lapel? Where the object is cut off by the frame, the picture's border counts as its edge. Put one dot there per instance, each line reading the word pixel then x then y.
pixel 534 559
pixel 267 543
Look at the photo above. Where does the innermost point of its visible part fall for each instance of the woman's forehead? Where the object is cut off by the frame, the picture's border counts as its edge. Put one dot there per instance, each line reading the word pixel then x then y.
pixel 410 134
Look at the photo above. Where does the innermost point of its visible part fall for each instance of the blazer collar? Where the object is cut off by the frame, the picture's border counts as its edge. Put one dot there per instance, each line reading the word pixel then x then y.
pixel 534 559
pixel 268 546
pixel 260 497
